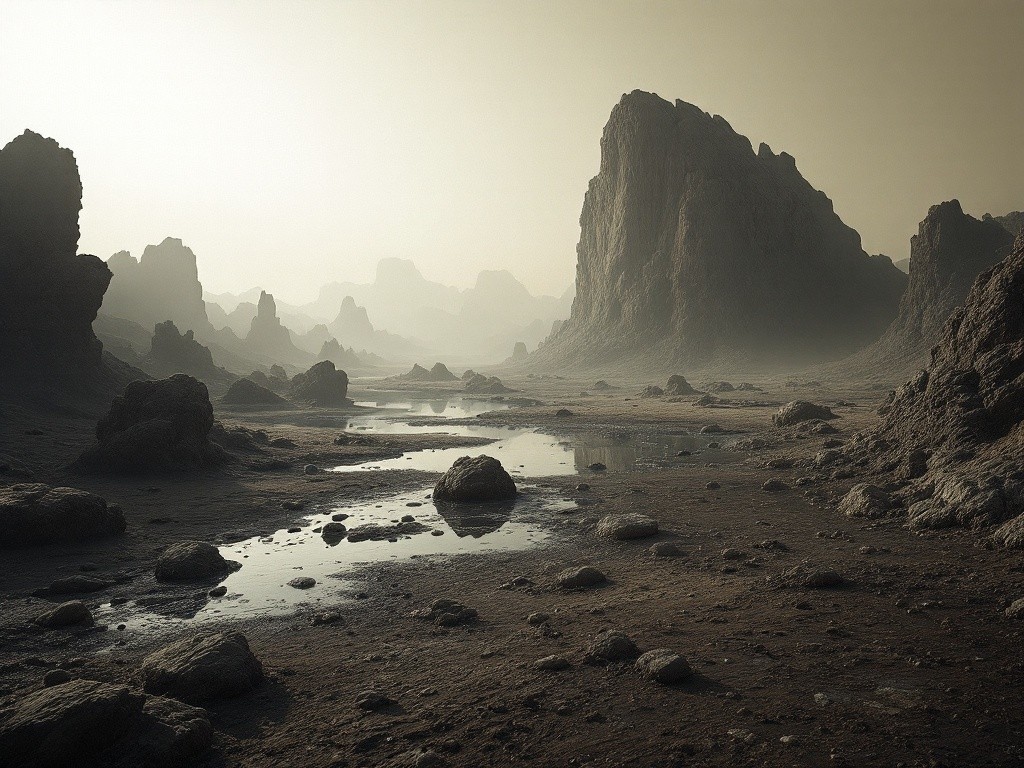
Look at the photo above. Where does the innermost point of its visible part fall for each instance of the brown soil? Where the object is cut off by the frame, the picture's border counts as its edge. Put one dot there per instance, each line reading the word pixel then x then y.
pixel 912 662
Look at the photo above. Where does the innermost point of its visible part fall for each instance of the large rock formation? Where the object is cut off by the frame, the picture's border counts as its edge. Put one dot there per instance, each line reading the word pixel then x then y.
pixel 695 249
pixel 951 438
pixel 173 352
pixel 49 294
pixel 162 285
pixel 156 426
pixel 268 338
pixel 949 251
pixel 321 385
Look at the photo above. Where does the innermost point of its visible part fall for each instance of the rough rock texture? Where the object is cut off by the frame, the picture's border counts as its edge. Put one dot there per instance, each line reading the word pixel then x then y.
pixel 321 385
pixel 69 614
pixel 49 294
pixel 581 576
pixel 156 425
pixel 483 385
pixel 33 513
pixel 953 434
pixel 475 478
pixel 169 734
pixel 610 646
pixel 68 724
pixel 694 248
pixel 663 666
pixel 865 500
pixel 947 254
pixel 519 351
pixel 206 666
pixel 191 561
pixel 799 411
pixel 678 385
pixel 162 285
pixel 1012 222
pixel 248 392
pixel 627 526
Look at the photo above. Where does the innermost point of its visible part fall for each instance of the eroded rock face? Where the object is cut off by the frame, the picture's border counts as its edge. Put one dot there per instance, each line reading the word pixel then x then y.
pixel 155 426
pixel 267 337
pixel 475 478
pixel 33 513
pixel 953 428
pixel 49 294
pixel 949 251
pixel 678 385
pixel 321 385
pixel 206 666
pixel 695 248
pixel 174 352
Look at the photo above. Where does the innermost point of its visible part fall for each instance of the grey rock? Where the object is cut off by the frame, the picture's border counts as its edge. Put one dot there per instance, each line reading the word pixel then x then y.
pixel 474 479
pixel 205 666
pixel 552 663
pixel 582 576
pixel 611 646
pixel 627 526
pixel 72 613
pixel 663 666
pixel 192 561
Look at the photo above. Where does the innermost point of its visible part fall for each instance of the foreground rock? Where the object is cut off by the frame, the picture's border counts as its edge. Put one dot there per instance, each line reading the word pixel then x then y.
pixel 582 576
pixel 610 646
pixel 628 526
pixel 801 410
pixel 206 666
pixel 865 500
pixel 475 479
pixel 446 613
pixel 663 666
pixel 33 513
pixel 192 561
pixel 69 614
pixel 68 724
pixel 156 426
pixel 322 385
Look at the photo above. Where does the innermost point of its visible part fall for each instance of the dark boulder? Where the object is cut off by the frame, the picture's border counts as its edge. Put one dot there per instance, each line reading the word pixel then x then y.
pixel 206 666
pixel 321 385
pixel 476 478
pixel 38 514
pixel 70 614
pixel 192 561
pixel 156 426
pixel 248 392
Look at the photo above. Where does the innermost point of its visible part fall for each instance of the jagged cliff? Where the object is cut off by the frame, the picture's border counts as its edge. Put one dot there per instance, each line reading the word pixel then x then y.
pixel 49 293
pixel 949 251
pixel 696 249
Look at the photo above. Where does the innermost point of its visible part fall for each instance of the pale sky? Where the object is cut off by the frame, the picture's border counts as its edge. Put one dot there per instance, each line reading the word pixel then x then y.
pixel 295 143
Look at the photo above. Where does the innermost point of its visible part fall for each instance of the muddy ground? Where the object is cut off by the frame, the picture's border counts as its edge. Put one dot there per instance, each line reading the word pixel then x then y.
pixel 911 662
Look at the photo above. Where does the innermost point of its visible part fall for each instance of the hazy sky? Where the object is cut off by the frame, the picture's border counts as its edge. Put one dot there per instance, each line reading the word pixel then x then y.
pixel 293 143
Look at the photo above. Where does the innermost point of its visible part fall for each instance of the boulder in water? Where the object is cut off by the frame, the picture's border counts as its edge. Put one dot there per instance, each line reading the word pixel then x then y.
pixel 475 478
pixel 192 561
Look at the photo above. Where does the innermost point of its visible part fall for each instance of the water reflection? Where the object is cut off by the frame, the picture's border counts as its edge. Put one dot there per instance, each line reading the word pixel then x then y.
pixel 475 520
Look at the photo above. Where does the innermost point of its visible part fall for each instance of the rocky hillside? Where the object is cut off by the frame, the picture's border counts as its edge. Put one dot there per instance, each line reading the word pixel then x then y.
pixel 696 249
pixel 952 436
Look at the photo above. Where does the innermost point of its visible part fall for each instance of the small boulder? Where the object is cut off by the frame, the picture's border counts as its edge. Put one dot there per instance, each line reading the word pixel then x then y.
pixel 665 549
pixel 208 665
pixel 774 485
pixel 192 561
pixel 474 479
pixel 78 585
pixel 33 514
pixel 72 613
pixel 302 582
pixel 583 576
pixel 552 663
pixel 801 410
pixel 1016 609
pixel 865 500
pixel 610 646
pixel 374 701
pixel 446 613
pixel 627 526
pixel 663 666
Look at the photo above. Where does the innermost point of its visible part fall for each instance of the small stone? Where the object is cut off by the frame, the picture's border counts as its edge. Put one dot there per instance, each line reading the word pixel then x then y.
pixel 822 579
pixel 609 646
pixel 311 469
pixel 67 614
pixel 583 487
pixel 218 591
pixel 822 699
pixel 597 466
pixel 339 517
pixel 536 619
pixel 583 576
pixel 1016 609
pixel 372 701
pixel 551 664
pixel 733 554
pixel 868 550
pixel 302 582
pixel 663 666
pixel 713 486
pixel 789 741
pixel 437 532
pixel 665 549
pixel 77 585
pixel 56 677
pixel 295 529
pixel 773 485
pixel 408 519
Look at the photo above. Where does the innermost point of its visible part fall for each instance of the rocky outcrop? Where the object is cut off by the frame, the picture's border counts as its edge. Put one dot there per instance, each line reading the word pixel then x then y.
pixel 1012 222
pixel 949 251
pixel 173 352
pixel 162 285
pixel 950 437
pixel 248 392
pixel 321 385
pixel 477 478
pixel 694 249
pixel 156 426
pixel 268 338
pixel 520 352
pixel 678 385
pixel 49 294
pixel 33 513
pixel 478 384
pixel 438 373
